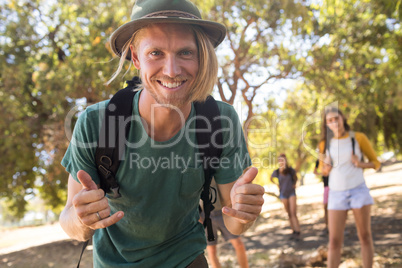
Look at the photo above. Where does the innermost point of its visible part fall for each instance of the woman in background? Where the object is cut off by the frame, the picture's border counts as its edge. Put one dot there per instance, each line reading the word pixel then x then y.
pixel 287 184
pixel 347 188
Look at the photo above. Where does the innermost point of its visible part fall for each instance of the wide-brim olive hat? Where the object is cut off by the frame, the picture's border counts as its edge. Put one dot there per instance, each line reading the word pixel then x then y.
pixel 146 12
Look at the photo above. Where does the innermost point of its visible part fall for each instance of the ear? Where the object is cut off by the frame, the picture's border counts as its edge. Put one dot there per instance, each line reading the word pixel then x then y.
pixel 134 57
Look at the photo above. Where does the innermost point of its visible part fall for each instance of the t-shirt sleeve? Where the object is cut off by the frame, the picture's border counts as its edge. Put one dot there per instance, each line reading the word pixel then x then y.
pixel 80 154
pixel 235 157
pixel 275 174
pixel 321 149
pixel 367 149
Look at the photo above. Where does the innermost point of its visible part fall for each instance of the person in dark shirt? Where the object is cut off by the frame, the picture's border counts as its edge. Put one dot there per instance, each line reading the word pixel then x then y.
pixel 287 184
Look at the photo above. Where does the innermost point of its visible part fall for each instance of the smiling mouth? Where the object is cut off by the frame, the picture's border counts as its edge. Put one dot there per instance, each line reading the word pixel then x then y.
pixel 173 84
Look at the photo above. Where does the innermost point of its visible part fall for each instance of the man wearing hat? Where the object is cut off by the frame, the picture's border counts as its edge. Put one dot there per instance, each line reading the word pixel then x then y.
pixel 155 221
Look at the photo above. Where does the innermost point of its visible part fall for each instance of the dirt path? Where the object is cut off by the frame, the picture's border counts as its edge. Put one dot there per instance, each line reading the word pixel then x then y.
pixel 267 243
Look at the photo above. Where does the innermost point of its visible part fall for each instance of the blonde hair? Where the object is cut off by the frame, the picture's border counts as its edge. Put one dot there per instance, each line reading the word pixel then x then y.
pixel 206 78
pixel 124 52
pixel 207 68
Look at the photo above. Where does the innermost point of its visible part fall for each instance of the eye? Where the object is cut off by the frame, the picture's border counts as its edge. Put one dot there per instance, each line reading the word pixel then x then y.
pixel 186 53
pixel 156 53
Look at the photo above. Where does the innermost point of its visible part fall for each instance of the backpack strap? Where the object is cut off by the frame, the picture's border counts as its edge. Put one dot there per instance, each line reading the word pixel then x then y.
pixel 107 154
pixel 210 141
pixel 111 143
pixel 84 246
pixel 352 136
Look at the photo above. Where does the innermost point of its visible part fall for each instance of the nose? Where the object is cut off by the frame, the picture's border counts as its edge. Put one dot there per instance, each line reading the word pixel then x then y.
pixel 172 66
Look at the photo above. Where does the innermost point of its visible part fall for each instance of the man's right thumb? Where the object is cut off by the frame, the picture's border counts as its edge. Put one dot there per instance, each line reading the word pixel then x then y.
pixel 86 180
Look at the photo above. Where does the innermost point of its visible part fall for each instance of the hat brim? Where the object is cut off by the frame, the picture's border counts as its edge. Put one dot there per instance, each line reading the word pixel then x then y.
pixel 215 31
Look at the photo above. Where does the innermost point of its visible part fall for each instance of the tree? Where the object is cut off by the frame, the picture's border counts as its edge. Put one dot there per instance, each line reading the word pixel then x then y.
pixel 351 60
pixel 355 61
pixel 52 54
pixel 55 56
pixel 260 47
pixel 291 128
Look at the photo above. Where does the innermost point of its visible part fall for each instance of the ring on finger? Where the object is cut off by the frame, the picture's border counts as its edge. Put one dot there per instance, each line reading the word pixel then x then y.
pixel 99 217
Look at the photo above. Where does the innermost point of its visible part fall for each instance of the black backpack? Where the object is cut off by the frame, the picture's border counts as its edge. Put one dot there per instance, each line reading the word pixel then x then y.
pixel 109 151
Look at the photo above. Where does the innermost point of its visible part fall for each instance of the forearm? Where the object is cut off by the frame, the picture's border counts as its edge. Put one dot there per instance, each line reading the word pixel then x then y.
pixel 326 169
pixel 73 226
pixel 367 165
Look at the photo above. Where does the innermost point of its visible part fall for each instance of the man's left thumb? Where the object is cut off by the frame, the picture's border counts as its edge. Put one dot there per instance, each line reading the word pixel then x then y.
pixel 248 176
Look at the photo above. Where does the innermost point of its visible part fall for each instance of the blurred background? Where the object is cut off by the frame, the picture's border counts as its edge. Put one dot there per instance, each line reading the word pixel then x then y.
pixel 281 63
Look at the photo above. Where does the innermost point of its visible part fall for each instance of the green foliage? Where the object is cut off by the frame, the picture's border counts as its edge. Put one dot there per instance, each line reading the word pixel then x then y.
pixel 259 47
pixel 356 61
pixel 55 55
pixel 51 53
pixel 291 128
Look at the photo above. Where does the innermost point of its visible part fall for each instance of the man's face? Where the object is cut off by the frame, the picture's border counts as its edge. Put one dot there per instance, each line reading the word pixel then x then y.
pixel 167 57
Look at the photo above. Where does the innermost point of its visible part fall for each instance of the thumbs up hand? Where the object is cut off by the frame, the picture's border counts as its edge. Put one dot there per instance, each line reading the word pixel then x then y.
pixel 246 198
pixel 91 205
pixel 86 180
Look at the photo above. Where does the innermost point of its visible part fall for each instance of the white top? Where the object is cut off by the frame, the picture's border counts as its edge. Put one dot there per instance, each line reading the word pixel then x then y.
pixel 344 175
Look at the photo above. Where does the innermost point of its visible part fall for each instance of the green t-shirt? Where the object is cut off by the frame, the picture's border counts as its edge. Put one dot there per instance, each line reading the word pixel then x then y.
pixel 160 184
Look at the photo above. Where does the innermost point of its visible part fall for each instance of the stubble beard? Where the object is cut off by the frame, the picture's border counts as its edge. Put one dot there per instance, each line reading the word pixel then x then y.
pixel 172 102
pixel 176 100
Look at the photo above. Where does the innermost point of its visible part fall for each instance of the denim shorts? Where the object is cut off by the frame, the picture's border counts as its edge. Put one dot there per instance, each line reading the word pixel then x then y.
pixel 353 198
pixel 287 195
